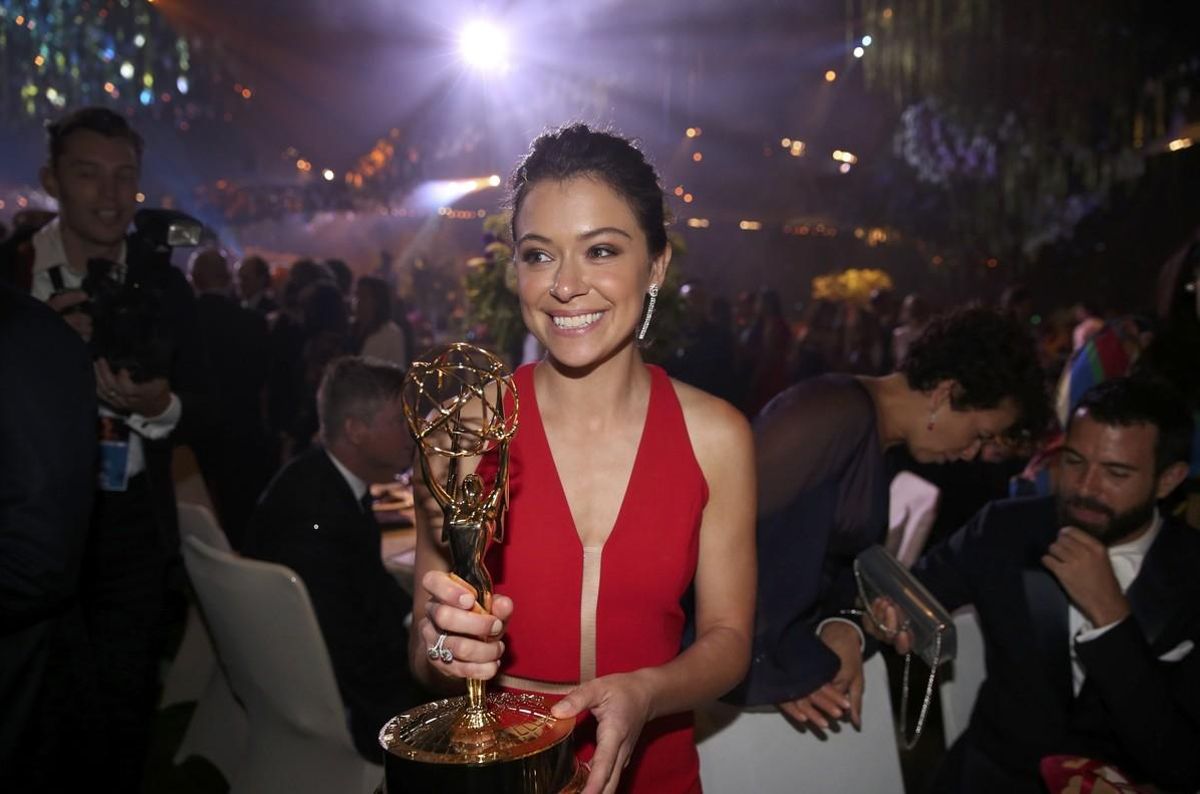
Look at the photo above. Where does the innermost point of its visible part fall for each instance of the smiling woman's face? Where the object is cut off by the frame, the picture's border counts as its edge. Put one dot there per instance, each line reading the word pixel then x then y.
pixel 583 269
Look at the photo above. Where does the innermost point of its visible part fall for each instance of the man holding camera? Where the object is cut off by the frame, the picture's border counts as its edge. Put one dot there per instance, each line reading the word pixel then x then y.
pixel 137 313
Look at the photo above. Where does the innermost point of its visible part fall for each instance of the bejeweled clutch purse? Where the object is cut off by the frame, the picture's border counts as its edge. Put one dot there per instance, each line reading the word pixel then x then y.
pixel 880 575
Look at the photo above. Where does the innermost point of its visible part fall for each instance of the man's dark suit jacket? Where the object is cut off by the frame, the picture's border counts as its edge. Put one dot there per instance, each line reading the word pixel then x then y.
pixel 238 457
pixel 47 477
pixel 309 520
pixel 189 381
pixel 235 340
pixel 1134 710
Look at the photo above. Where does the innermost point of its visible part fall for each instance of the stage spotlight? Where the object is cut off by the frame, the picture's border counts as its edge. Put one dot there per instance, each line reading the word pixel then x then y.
pixel 484 46
pixel 445 192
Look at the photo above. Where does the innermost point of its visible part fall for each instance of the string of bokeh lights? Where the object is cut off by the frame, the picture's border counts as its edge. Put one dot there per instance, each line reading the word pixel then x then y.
pixel 60 54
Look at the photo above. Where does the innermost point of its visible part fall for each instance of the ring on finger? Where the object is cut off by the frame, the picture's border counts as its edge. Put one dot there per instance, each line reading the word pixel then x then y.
pixel 439 652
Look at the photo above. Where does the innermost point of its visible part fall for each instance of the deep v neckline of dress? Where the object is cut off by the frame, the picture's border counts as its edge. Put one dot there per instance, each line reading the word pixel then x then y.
pixel 562 491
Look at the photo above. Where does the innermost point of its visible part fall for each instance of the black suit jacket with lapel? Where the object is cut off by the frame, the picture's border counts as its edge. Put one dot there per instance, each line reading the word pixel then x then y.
pixel 47 476
pixel 1135 710
pixel 309 520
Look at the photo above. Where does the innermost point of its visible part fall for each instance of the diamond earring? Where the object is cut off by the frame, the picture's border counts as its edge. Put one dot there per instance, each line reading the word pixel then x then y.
pixel 649 312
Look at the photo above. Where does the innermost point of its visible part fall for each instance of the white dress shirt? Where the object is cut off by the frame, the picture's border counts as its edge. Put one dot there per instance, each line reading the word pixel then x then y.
pixel 356 483
pixel 1126 562
pixel 49 252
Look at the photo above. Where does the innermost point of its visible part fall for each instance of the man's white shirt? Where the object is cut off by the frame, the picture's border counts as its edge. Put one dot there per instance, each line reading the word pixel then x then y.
pixel 1126 560
pixel 49 252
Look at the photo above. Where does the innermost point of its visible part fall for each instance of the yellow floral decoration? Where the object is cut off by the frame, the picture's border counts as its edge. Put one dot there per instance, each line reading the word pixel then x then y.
pixel 854 285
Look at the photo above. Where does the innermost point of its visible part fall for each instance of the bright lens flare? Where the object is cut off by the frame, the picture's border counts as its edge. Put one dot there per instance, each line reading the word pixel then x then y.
pixel 484 46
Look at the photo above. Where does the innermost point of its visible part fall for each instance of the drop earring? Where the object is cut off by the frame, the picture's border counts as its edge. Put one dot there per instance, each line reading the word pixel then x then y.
pixel 929 425
pixel 649 312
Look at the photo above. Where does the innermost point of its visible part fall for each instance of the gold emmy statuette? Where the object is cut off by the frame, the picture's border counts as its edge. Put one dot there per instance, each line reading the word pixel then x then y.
pixel 499 742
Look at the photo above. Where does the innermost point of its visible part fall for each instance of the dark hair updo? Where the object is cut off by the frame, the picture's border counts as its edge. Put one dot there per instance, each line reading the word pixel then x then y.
pixel 578 150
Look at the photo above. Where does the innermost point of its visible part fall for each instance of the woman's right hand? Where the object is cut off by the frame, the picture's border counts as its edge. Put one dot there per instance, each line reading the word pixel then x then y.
pixel 473 636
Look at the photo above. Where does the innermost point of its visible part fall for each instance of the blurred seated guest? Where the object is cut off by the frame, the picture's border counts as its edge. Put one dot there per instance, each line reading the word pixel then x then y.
pixel 47 480
pixel 720 309
pixel 238 459
pixel 765 345
pixel 254 285
pixel 1088 322
pixel 818 350
pixel 326 334
pixel 1089 604
pixel 343 276
pixel 967 381
pixel 705 355
pixel 886 313
pixel 401 317
pixel 374 332
pixel 914 314
pixel 287 337
pixel 1017 300
pixel 860 340
pixel 316 519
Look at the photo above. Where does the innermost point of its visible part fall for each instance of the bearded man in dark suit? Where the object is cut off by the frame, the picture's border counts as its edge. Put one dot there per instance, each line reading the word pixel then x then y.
pixel 1089 602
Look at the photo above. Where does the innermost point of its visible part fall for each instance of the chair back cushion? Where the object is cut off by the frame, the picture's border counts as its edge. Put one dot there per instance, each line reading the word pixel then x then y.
pixel 198 520
pixel 268 638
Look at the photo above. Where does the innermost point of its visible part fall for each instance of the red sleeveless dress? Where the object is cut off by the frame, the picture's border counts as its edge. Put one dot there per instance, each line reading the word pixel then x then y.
pixel 581 613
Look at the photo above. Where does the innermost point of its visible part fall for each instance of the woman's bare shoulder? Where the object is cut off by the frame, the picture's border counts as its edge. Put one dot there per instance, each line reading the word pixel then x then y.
pixel 716 428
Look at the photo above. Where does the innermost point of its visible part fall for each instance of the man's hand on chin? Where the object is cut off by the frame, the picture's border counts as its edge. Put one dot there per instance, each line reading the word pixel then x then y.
pixel 1080 563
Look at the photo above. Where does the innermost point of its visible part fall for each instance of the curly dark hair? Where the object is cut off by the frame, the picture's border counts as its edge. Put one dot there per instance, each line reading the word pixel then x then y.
pixel 578 150
pixel 990 356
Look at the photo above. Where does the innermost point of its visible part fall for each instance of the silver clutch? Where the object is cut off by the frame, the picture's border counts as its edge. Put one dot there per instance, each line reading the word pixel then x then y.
pixel 880 575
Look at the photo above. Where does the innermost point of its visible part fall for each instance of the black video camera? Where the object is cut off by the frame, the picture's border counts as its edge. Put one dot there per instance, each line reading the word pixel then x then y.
pixel 129 326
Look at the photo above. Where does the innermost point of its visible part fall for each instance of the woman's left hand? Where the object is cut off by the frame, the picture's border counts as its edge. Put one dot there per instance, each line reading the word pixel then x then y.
pixel 621 704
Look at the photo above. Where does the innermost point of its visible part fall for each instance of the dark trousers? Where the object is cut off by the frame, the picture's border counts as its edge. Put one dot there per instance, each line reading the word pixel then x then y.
pixel 23 656
pixel 45 697
pixel 967 770
pixel 123 597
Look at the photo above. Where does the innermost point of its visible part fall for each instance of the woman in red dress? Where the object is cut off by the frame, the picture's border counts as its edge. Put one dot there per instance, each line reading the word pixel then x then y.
pixel 626 490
